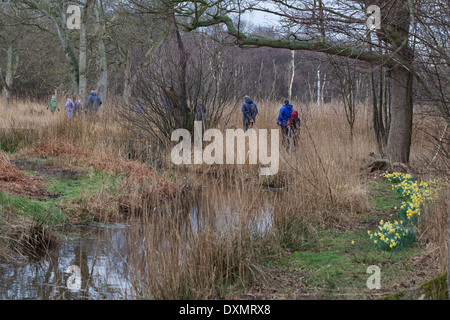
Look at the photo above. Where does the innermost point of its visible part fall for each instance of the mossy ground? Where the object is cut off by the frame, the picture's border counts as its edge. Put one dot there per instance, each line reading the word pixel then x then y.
pixel 63 184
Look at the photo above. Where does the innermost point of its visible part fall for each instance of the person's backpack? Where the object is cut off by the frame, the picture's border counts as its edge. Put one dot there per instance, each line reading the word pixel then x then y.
pixel 248 110
pixel 253 109
pixel 294 121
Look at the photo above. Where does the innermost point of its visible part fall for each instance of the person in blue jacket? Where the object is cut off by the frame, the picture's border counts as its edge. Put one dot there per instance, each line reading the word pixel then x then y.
pixel 200 111
pixel 249 112
pixel 283 118
pixel 93 103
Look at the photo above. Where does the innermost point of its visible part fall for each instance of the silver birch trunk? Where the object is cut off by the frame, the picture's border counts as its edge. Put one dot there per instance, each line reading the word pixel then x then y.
pixel 102 84
pixel 130 79
pixel 291 82
pixel 323 88
pixel 126 95
pixel 70 55
pixel 9 73
pixel 318 87
pixel 83 59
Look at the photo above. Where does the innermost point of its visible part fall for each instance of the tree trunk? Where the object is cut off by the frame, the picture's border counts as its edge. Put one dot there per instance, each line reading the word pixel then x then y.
pixel 399 141
pixel 102 84
pixel 274 83
pixel 291 82
pixel 83 58
pixel 128 81
pixel 318 87
pixel 70 55
pixel 181 109
pixel 323 88
pixel 9 73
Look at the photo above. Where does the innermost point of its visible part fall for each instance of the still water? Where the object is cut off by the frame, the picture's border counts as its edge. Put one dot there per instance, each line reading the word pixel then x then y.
pixel 91 264
pixel 86 265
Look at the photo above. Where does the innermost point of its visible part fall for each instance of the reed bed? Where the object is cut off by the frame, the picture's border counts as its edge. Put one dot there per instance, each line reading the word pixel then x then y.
pixel 223 222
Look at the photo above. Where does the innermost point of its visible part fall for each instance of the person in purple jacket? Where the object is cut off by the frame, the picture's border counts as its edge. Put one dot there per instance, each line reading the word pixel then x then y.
pixel 69 107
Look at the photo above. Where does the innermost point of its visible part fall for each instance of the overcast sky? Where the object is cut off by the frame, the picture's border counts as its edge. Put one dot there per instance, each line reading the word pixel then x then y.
pixel 260 18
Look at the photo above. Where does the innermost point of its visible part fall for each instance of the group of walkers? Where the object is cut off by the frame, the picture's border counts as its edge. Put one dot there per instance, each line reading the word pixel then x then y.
pixel 74 107
pixel 288 119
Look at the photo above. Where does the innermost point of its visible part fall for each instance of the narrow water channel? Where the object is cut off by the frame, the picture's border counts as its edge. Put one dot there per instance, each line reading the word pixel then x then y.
pixel 85 265
pixel 91 263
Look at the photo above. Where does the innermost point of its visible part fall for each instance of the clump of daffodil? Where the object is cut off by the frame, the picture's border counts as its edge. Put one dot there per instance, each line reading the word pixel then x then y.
pixel 416 195
pixel 397 177
pixel 392 235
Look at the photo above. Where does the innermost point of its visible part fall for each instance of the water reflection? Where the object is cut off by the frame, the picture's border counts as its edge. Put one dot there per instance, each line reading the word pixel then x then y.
pixel 97 254
pixel 228 220
pixel 92 263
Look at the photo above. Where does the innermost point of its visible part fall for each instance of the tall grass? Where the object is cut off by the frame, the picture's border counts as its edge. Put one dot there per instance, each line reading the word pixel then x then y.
pixel 22 238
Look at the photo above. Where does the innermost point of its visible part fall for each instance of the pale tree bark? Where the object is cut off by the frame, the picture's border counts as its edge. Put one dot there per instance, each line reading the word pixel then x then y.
pixel 181 108
pixel 291 81
pixel 258 82
pixel 3 83
pixel 83 55
pixel 322 89
pixel 132 77
pixel 318 87
pixel 102 84
pixel 60 23
pixel 12 62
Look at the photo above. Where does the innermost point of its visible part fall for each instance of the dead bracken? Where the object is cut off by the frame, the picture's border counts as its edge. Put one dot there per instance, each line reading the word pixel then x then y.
pixel 15 182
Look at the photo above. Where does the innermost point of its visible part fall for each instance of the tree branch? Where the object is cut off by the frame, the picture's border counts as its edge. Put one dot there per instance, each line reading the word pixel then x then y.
pixel 245 40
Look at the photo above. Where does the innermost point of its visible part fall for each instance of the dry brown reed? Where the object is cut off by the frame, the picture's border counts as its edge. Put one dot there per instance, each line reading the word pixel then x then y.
pixel 23 239
pixel 433 231
pixel 13 181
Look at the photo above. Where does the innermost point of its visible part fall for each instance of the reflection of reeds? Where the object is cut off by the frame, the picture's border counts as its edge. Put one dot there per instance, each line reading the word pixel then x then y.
pixel 21 238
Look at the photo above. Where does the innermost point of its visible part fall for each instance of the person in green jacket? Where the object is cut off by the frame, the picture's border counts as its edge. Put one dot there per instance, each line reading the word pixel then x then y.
pixel 53 104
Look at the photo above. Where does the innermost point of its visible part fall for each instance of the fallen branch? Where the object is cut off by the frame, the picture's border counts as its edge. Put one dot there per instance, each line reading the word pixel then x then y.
pixel 387 165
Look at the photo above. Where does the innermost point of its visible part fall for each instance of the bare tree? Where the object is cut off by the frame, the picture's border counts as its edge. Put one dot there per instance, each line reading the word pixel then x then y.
pixel 102 60
pixel 11 31
pixel 158 112
pixel 347 74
